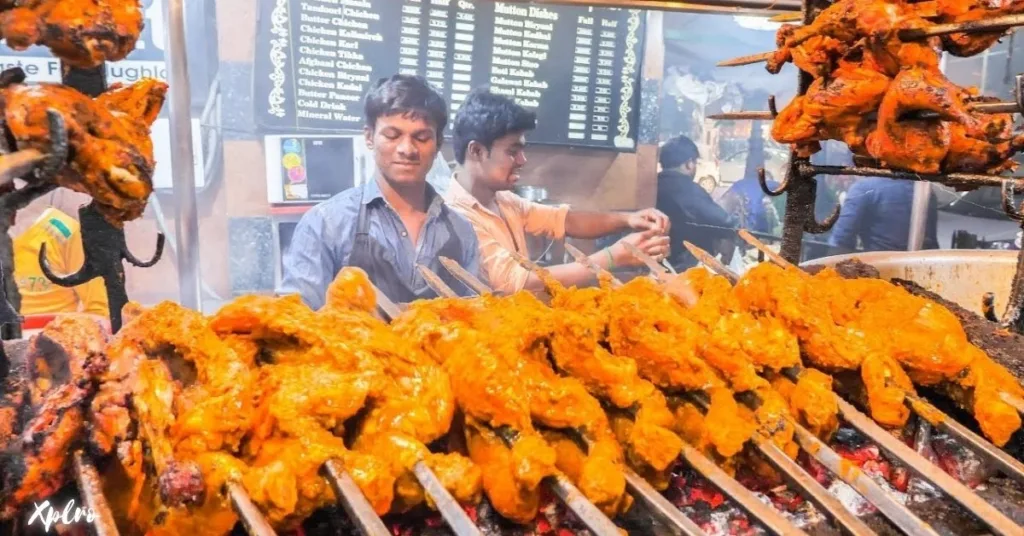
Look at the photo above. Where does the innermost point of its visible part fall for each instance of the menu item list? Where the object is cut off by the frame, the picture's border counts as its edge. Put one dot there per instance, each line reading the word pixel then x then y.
pixel 577 67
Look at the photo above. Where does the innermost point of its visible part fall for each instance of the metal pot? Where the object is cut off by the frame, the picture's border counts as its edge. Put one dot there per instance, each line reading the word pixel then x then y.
pixel 532 193
pixel 960 276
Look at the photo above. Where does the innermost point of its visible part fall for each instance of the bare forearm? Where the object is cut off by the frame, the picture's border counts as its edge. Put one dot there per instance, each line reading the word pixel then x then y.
pixel 587 224
pixel 572 274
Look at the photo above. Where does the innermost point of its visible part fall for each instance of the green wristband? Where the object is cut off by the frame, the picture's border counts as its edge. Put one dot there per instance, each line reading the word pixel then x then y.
pixel 611 259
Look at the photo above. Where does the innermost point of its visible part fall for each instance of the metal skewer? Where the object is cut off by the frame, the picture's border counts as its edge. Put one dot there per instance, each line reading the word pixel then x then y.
pixel 712 263
pixel 90 488
pixel 353 501
pixel 994 24
pixel 453 514
pixel 997 456
pixel 251 517
pixel 979 107
pixel 985 512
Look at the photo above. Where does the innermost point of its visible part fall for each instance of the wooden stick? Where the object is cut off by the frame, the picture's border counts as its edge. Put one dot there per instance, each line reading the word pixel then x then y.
pixel 583 259
pixel 463 275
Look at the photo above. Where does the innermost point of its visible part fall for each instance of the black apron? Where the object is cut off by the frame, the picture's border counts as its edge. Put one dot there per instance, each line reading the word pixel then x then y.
pixel 372 257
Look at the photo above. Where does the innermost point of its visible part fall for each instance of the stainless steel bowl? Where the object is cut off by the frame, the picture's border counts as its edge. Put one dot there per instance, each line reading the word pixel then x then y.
pixel 532 193
pixel 960 275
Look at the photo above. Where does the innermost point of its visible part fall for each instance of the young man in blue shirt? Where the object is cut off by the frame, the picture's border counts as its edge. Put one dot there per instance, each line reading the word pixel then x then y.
pixel 395 220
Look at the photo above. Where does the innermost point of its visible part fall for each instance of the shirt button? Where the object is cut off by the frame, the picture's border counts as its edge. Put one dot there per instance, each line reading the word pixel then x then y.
pixel 405 233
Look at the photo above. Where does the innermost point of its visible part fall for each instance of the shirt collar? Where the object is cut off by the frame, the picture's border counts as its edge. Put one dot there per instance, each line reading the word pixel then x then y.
pixel 459 196
pixel 372 192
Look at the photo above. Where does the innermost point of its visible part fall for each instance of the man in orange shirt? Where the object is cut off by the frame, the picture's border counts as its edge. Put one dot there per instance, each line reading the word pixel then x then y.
pixel 63 238
pixel 489 142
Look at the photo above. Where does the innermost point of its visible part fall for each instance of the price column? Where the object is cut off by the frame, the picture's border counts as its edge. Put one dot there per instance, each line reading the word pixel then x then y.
pixel 580 89
pixel 410 41
pixel 603 76
pixel 462 55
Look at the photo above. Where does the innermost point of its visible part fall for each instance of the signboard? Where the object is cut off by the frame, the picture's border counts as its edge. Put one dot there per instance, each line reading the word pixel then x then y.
pixel 577 67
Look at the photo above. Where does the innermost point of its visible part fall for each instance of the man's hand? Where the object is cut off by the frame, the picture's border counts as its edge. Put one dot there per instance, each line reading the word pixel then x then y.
pixel 653 243
pixel 649 219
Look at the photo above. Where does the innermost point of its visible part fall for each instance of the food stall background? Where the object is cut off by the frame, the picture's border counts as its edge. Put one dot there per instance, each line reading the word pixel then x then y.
pixel 243 222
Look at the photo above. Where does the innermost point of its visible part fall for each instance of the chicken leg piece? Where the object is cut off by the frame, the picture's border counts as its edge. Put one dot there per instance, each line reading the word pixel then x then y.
pixel 82 33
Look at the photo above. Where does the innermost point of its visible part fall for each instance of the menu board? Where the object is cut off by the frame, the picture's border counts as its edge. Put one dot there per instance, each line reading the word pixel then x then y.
pixel 576 67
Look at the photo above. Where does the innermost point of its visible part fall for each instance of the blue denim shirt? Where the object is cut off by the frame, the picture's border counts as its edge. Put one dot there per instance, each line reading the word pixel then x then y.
pixel 877 211
pixel 323 240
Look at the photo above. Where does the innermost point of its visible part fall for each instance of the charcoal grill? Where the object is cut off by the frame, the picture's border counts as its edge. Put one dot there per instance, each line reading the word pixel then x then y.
pixel 662 516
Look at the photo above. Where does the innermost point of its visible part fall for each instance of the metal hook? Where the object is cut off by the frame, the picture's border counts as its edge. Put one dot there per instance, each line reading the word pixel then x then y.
pixel 14 75
pixel 105 249
pixel 763 181
pixel 771 106
pixel 80 277
pixel 1009 204
pixel 814 227
pixel 59 149
pixel 157 255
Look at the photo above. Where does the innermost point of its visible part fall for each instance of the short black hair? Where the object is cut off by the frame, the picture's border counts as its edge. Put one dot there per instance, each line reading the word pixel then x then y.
pixel 484 117
pixel 677 151
pixel 405 94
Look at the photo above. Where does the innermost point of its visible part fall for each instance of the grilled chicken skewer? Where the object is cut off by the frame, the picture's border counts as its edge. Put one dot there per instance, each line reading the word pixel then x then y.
pixel 994 24
pixel 527 449
pixel 637 485
pixel 942 363
pixel 984 511
pixel 821 421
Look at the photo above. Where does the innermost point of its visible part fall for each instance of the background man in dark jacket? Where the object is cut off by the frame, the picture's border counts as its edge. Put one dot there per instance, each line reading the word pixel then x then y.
pixel 694 214
pixel 877 213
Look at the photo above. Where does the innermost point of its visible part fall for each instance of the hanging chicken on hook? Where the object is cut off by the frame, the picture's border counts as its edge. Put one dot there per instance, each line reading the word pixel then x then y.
pixel 82 33
pixel 100 147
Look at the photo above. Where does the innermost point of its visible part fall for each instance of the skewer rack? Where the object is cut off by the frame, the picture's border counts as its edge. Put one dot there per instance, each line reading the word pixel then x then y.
pixel 801 187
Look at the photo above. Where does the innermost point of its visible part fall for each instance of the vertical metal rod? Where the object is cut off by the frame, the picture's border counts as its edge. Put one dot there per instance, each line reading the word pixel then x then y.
pixel 919 215
pixel 186 219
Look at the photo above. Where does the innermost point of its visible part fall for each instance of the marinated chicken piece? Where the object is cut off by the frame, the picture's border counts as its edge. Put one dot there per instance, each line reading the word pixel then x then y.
pixel 489 390
pixel 957 11
pixel 838 29
pixel 511 475
pixel 111 153
pixel 793 298
pixel 577 350
pixel 992 153
pixel 929 341
pixel 35 458
pixel 417 404
pixel 919 145
pixel 836 108
pixel 812 401
pixel 82 33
